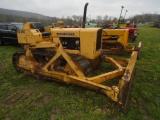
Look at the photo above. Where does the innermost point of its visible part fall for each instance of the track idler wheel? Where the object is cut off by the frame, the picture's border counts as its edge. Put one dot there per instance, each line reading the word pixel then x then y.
pixel 124 97
pixel 131 39
pixel 15 61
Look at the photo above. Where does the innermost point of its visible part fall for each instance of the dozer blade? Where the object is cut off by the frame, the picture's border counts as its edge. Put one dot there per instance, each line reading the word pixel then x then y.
pixel 124 97
pixel 125 84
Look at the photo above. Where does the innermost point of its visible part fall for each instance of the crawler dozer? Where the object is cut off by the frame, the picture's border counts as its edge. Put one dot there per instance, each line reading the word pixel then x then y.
pixel 70 55
pixel 115 41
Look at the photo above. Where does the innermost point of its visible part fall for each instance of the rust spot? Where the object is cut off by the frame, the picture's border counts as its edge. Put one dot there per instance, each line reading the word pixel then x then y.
pixel 125 77
pixel 127 71
pixel 120 103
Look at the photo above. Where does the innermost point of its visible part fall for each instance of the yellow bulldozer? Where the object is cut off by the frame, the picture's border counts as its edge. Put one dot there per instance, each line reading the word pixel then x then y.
pixel 115 41
pixel 70 55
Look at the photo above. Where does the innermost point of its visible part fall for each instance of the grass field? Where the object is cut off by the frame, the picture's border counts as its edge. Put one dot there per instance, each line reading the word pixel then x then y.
pixel 23 97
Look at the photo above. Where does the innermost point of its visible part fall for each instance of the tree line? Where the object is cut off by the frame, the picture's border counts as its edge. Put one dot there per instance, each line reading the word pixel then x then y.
pixel 77 19
pixel 145 18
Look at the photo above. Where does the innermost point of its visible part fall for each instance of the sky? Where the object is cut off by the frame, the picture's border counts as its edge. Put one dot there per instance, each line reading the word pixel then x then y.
pixel 64 8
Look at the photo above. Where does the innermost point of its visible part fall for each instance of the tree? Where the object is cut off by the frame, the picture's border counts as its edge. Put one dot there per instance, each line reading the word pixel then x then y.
pixel 99 19
pixel 105 18
pixel 77 19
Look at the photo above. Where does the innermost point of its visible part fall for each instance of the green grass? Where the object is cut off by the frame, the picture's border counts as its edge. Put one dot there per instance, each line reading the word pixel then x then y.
pixel 23 97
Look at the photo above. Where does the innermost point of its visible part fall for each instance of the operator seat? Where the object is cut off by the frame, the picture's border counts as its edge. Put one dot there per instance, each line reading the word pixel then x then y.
pixel 40 27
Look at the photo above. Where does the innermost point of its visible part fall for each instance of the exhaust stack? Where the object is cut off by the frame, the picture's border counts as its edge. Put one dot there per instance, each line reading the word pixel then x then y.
pixel 84 15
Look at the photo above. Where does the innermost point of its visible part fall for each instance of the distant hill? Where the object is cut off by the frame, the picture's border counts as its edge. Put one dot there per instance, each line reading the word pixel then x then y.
pixel 21 13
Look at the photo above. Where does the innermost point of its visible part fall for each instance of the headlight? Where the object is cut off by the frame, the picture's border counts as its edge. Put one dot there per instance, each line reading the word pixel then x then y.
pixel 77 42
